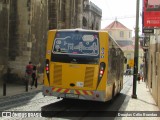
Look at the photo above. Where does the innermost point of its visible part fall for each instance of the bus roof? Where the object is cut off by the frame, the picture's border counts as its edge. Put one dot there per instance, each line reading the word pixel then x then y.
pixel 76 29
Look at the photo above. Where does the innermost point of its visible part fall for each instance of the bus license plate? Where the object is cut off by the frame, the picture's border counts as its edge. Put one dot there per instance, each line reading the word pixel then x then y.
pixel 71 96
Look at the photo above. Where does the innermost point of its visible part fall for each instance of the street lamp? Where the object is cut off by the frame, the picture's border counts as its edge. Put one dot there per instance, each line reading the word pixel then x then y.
pixel 136 50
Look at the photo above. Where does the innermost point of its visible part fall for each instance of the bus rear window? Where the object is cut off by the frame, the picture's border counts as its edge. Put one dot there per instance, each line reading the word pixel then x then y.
pixel 76 43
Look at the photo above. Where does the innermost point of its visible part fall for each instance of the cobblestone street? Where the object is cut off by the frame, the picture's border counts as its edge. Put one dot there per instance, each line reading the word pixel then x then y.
pixel 26 102
pixel 34 101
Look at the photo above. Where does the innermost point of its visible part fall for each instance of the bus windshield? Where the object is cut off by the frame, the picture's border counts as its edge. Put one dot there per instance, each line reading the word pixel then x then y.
pixel 76 44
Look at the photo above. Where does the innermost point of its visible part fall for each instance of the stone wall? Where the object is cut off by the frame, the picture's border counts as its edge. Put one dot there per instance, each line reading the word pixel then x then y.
pixel 20 43
pixel 158 79
pixel 52 14
pixel 23 34
pixel 39 29
pixel 28 34
pixel 4 15
pixel 91 16
pixel 153 66
pixel 157 68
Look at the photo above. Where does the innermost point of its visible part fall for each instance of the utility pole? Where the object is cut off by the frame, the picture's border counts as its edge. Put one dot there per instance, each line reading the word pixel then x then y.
pixel 136 52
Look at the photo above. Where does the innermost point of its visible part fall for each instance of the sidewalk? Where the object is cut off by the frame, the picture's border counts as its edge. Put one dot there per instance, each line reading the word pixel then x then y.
pixel 17 89
pixel 143 104
pixel 13 90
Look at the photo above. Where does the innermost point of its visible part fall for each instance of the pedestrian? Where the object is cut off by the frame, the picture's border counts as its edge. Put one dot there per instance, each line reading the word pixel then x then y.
pixel 127 72
pixel 28 72
pixel 34 77
pixel 141 74
pixel 139 77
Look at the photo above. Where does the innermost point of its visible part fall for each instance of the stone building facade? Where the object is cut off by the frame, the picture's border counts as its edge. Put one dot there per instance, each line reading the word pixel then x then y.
pixel 91 16
pixel 24 25
pixel 119 31
pixel 123 36
pixel 152 63
pixel 27 33
pixel 74 14
pixel 4 36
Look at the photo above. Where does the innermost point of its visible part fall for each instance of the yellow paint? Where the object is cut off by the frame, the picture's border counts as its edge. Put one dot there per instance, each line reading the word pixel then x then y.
pixel 75 73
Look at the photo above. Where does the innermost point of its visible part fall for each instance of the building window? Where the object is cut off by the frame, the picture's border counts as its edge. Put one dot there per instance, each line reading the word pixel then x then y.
pixel 129 34
pixel 121 34
pixel 84 22
pixel 97 26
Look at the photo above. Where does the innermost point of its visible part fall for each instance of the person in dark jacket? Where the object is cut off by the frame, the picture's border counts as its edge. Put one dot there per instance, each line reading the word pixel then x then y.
pixel 139 77
pixel 34 77
pixel 28 73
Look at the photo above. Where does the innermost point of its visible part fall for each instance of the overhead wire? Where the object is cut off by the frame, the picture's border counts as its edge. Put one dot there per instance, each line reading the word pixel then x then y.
pixel 119 17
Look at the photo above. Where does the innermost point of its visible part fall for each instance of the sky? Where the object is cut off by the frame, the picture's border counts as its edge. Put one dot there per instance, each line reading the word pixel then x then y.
pixel 123 10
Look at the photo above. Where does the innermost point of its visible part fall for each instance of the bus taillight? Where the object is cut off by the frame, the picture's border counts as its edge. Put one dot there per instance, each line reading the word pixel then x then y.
pixel 101 73
pixel 101 70
pixel 47 68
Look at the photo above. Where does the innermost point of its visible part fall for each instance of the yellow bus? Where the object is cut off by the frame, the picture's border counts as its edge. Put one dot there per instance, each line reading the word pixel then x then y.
pixel 82 64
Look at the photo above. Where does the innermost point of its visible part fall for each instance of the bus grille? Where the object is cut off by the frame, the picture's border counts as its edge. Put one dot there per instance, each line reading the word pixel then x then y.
pixel 89 74
pixel 57 75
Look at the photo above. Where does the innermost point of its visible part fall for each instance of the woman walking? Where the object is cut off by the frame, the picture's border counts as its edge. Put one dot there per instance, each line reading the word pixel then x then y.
pixel 34 77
